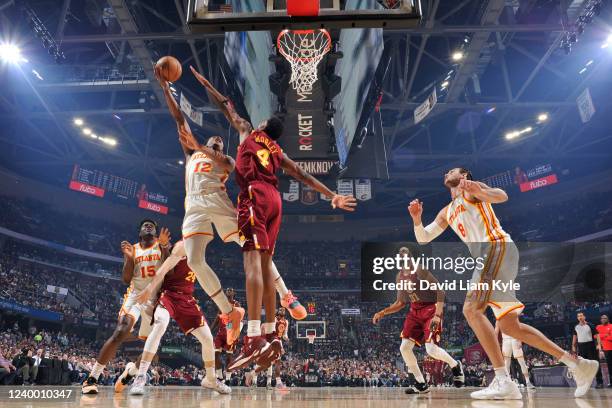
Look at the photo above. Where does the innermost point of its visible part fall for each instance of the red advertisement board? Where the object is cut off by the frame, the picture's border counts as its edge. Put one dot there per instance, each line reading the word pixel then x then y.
pixel 86 188
pixel 538 183
pixel 158 208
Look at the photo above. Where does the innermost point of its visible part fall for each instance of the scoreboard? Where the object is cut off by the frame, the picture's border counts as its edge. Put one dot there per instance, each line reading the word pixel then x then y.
pixel 103 184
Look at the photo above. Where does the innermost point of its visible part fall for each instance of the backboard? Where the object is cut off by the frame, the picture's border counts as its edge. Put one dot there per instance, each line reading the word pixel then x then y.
pixel 214 16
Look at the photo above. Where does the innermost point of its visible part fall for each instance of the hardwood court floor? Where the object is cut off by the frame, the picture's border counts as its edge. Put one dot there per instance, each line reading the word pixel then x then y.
pixel 188 397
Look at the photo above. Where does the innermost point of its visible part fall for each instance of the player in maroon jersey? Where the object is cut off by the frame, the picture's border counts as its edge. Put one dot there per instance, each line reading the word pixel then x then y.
pixel 258 159
pixel 220 342
pixel 423 323
pixel 176 301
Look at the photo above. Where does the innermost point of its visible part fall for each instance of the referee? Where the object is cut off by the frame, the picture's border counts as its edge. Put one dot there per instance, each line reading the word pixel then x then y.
pixel 583 344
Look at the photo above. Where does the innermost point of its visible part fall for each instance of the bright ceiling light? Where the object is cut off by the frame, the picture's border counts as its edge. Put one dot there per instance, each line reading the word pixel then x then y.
pixel 445 84
pixel 78 121
pixel 457 56
pixel 542 117
pixel 93 136
pixel 11 53
pixel 181 162
pixel 87 131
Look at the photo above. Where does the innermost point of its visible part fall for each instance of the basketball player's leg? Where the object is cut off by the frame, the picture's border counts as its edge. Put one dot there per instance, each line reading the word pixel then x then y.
pixel 161 320
pixel 517 352
pixel 507 352
pixel 210 380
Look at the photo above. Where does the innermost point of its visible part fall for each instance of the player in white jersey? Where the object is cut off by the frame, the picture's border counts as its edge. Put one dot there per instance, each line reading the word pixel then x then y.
pixel 141 262
pixel 512 347
pixel 471 216
pixel 206 203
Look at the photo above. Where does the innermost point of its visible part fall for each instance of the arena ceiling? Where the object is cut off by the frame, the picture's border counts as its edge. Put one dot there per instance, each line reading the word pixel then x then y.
pixel 513 68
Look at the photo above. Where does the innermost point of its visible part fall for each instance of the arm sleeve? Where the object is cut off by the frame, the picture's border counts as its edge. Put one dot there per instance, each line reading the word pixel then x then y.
pixel 427 234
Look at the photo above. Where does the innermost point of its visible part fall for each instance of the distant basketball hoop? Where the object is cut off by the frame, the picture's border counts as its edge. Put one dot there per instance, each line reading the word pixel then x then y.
pixel 304 49
pixel 311 335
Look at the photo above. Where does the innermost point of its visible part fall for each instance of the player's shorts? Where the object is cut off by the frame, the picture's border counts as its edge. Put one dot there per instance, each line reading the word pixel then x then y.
pixel 500 266
pixel 416 325
pixel 204 210
pixel 137 311
pixel 511 347
pixel 220 340
pixel 184 309
pixel 259 216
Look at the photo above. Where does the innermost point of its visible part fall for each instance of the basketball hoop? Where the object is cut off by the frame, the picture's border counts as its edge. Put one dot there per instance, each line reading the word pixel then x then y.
pixel 311 338
pixel 304 49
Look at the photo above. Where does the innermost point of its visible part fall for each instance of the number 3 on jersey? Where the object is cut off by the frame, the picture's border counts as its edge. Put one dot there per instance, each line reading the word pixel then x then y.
pixel 264 157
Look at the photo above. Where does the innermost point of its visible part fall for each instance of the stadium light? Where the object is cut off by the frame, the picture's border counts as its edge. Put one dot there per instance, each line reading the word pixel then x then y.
pixel 93 136
pixel 10 53
pixel 87 131
pixel 457 56
pixel 444 84
pixel 516 133
pixel 108 140
pixel 542 117
pixel 181 162
pixel 78 121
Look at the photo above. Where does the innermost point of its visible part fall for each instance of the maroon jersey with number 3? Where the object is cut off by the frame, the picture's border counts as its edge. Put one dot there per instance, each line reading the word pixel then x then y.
pixel 258 159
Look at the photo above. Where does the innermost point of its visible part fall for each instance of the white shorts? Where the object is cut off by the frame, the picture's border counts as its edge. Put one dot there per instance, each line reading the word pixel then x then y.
pixel 501 265
pixel 202 211
pixel 135 310
pixel 511 347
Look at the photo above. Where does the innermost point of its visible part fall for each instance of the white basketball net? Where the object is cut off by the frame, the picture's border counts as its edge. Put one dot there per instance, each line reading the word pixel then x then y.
pixel 304 49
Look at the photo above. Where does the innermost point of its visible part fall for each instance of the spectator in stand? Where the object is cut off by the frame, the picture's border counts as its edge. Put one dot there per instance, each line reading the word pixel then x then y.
pixel 520 176
pixel 583 344
pixel 8 372
pixel 604 343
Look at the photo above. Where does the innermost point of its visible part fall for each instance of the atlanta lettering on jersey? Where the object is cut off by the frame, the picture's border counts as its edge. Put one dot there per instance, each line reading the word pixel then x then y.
pixel 460 209
pixel 198 155
pixel 147 258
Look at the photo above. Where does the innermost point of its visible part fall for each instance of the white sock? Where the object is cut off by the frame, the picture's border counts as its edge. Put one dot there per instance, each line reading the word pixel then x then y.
pixel 143 367
pixel 508 362
pixel 410 360
pixel 210 374
pixel 568 360
pixel 501 373
pixel 219 373
pixel 254 328
pixel 269 373
pixel 279 283
pixel 440 354
pixel 269 328
pixel 96 370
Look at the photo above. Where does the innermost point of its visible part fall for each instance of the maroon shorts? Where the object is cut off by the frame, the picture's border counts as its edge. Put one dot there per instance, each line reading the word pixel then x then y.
pixel 416 325
pixel 184 309
pixel 221 340
pixel 259 216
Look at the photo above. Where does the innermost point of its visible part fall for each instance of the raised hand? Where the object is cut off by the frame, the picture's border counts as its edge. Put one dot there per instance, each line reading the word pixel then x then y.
pixel 162 82
pixel 470 187
pixel 415 208
pixel 201 79
pixel 346 203
pixel 164 237
pixel 127 249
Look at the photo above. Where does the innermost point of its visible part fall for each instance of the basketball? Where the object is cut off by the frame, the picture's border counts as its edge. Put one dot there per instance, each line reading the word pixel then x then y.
pixel 169 68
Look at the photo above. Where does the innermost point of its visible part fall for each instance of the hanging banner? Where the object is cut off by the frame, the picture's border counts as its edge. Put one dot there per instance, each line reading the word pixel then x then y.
pixel 345 186
pixel 57 290
pixel 363 189
pixel 423 109
pixel 309 195
pixel 193 114
pixel 294 191
pixel 585 106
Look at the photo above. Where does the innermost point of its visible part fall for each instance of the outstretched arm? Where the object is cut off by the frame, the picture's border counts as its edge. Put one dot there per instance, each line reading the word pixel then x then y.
pixel 178 253
pixel 242 126
pixel 481 192
pixel 432 231
pixel 175 110
pixel 222 160
pixel 391 309
pixel 347 203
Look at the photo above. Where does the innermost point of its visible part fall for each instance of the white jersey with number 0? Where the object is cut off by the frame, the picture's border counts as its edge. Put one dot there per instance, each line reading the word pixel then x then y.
pixel 202 176
pixel 475 223
pixel 146 263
